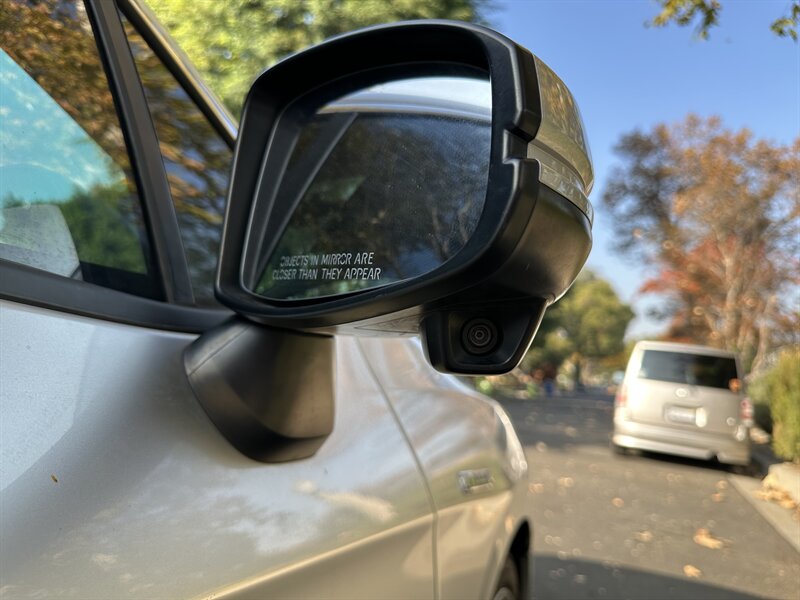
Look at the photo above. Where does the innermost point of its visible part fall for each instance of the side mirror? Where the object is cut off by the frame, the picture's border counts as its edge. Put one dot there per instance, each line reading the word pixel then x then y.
pixel 419 177
pixel 425 177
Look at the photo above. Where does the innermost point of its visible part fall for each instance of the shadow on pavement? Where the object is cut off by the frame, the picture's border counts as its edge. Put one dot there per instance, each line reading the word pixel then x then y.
pixel 562 422
pixel 556 579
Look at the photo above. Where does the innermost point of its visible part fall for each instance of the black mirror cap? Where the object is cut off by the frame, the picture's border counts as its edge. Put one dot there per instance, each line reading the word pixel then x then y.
pixel 530 242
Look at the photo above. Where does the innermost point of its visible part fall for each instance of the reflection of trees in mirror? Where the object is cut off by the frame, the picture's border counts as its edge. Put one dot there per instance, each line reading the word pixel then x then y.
pixel 197 161
pixel 407 189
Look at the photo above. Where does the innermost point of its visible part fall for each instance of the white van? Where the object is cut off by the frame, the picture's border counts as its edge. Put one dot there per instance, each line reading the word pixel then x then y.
pixel 685 400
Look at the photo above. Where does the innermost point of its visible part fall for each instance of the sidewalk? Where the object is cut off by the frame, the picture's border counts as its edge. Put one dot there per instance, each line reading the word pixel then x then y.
pixel 776 480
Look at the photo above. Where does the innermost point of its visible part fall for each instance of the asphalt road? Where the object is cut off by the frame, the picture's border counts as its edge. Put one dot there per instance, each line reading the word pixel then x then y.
pixel 643 526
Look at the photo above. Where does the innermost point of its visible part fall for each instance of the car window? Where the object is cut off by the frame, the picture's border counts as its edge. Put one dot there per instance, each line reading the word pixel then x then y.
pixel 68 200
pixel 197 161
pixel 688 369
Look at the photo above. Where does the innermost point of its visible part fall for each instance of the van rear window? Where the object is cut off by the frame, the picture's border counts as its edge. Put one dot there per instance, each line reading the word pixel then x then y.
pixel 688 369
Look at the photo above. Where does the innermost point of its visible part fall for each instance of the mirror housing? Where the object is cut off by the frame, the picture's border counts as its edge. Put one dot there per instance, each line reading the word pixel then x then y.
pixel 479 310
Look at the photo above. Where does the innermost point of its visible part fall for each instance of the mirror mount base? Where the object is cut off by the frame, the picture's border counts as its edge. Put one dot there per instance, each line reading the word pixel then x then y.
pixel 269 391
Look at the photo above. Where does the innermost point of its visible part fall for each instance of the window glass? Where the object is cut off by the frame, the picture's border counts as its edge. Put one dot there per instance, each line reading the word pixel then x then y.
pixel 688 369
pixel 68 202
pixel 197 161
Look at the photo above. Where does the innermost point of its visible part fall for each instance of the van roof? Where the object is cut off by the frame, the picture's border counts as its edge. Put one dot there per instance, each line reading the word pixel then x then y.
pixel 685 348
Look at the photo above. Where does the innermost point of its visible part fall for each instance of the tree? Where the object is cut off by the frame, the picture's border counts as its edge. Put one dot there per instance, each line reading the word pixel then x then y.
pixel 715 213
pixel 586 325
pixel 231 42
pixel 684 12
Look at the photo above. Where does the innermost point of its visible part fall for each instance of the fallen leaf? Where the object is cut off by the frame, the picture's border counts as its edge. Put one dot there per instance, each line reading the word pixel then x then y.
pixel 776 495
pixel 691 571
pixel 643 536
pixel 763 494
pixel 703 537
pixel 618 502
pixel 536 488
pixel 566 482
pixel 54 478
pixel 718 497
pixel 722 484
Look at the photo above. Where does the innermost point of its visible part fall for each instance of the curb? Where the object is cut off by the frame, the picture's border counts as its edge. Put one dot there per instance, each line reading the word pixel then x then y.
pixel 777 475
pixel 780 518
pixel 786 477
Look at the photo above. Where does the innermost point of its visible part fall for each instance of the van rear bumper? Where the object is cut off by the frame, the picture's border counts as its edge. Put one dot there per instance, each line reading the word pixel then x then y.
pixel 692 444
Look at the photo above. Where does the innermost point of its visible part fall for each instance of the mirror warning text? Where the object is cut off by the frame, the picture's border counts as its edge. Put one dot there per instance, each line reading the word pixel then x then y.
pixel 334 266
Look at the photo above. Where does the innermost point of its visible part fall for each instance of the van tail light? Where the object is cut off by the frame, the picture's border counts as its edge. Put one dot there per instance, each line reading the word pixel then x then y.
pixel 746 412
pixel 621 398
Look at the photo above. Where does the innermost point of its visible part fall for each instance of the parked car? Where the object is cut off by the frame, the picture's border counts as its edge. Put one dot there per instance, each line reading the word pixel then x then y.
pixel 684 400
pixel 175 428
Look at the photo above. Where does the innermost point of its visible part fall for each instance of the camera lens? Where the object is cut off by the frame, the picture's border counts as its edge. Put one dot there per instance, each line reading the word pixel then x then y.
pixel 479 336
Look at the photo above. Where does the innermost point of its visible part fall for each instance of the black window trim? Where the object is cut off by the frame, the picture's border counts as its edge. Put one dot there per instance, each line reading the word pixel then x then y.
pixel 35 287
pixel 20 283
pixel 137 126
pixel 176 62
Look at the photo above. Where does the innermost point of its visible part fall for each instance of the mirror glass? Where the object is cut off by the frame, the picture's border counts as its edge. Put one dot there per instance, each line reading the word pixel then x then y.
pixel 383 185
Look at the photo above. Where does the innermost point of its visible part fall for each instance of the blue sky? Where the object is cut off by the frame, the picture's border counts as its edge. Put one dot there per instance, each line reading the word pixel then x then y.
pixel 45 155
pixel 626 76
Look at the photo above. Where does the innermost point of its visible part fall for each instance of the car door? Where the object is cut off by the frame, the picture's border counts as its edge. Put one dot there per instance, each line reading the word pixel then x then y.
pixel 113 481
pixel 470 455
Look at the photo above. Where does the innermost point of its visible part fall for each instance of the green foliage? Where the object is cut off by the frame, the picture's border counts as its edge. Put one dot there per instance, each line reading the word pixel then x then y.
pixel 685 12
pixel 779 388
pixel 594 317
pixel 618 361
pixel 231 42
pixel 552 347
pixel 787 26
pixel 104 226
pixel 588 323
pixel 758 392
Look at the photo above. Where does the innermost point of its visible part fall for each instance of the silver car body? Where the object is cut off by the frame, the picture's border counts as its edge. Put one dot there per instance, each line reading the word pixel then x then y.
pixel 116 484
pixel 674 414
